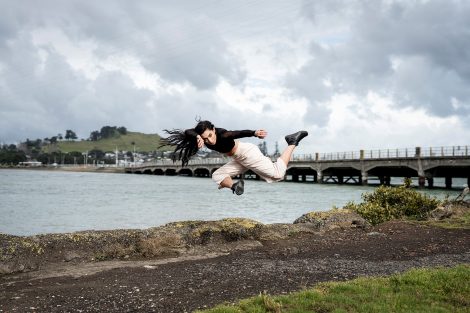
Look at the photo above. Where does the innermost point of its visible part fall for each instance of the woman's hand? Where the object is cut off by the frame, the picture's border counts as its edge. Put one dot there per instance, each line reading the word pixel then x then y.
pixel 200 142
pixel 261 133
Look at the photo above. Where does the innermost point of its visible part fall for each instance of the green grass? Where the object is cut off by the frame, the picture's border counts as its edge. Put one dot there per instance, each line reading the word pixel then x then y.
pixel 419 290
pixel 143 143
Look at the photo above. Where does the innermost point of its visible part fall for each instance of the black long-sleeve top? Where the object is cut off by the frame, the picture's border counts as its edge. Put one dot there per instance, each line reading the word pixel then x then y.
pixel 225 138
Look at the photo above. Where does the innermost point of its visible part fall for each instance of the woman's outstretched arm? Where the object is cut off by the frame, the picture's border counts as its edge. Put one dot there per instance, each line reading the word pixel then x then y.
pixel 235 134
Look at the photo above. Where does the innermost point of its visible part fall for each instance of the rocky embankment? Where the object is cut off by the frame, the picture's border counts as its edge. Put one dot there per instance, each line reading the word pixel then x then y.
pixel 24 254
pixel 184 266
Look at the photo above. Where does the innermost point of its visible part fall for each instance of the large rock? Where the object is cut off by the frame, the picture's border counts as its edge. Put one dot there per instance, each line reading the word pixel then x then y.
pixel 225 230
pixel 441 213
pixel 333 219
pixel 450 210
pixel 23 254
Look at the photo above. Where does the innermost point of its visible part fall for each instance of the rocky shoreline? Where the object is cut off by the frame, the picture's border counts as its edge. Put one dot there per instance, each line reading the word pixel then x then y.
pixel 179 239
pixel 78 168
pixel 183 266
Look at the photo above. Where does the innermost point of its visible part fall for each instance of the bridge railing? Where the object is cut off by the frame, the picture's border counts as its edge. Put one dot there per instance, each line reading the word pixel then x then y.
pixel 221 160
pixel 199 161
pixel 444 151
pixel 390 153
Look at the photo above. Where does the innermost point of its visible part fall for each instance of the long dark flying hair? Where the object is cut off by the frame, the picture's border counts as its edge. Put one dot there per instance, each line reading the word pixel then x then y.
pixel 185 144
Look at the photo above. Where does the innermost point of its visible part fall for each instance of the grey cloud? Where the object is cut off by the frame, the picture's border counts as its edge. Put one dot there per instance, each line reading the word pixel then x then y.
pixel 173 41
pixel 415 51
pixel 181 111
pixel 267 108
pixel 430 40
pixel 317 115
pixel 111 99
pixel 170 40
pixel 40 99
pixel 309 81
pixel 192 51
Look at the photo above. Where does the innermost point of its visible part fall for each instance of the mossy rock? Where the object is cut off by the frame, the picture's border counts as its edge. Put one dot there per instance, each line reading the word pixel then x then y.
pixel 332 219
pixel 451 215
pixel 228 230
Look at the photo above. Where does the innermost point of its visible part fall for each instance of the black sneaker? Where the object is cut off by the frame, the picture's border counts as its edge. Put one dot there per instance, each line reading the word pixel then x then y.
pixel 238 187
pixel 294 139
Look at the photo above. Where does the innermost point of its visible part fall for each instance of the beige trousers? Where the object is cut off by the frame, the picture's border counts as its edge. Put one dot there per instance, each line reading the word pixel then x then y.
pixel 249 157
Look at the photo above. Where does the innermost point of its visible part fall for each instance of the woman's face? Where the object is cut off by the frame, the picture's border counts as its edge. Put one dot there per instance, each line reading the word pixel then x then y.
pixel 209 136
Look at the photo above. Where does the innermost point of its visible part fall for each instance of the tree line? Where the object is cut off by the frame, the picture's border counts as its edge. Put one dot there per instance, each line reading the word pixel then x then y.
pixel 103 133
pixel 33 149
pixel 107 132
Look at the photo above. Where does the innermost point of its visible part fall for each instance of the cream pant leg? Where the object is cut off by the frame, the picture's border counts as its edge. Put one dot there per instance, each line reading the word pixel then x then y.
pixel 249 157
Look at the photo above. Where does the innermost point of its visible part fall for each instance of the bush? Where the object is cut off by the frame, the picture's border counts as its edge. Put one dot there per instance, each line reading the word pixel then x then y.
pixel 387 203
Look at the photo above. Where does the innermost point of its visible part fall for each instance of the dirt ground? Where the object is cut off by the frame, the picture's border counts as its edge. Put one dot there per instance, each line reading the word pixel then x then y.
pixel 250 267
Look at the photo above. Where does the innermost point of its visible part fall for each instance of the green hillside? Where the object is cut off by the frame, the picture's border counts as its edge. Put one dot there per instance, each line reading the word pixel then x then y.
pixel 143 143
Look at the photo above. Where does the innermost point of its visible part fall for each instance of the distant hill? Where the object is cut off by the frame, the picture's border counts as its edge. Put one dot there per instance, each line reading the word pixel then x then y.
pixel 143 143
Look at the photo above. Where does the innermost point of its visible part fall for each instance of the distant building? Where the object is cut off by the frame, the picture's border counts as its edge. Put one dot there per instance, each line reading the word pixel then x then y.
pixel 30 163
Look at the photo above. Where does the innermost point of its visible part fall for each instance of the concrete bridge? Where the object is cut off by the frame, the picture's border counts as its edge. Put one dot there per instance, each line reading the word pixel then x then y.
pixel 357 167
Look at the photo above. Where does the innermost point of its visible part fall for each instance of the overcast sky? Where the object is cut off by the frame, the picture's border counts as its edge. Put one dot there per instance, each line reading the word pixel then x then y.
pixel 356 74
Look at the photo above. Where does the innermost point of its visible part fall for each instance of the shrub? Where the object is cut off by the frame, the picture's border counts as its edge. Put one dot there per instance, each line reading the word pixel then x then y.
pixel 387 203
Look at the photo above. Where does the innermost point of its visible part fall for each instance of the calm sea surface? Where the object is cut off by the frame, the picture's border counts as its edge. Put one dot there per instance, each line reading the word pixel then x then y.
pixel 35 201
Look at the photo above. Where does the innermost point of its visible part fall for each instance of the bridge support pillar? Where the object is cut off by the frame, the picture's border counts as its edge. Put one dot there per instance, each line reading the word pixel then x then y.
pixel 340 179
pixel 421 174
pixel 421 181
pixel 448 182
pixel 430 182
pixel 384 180
pixel 363 178
pixel 320 177
pixel 304 177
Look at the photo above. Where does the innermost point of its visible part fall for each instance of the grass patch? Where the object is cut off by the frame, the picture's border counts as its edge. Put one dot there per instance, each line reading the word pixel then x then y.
pixel 419 290
pixel 143 142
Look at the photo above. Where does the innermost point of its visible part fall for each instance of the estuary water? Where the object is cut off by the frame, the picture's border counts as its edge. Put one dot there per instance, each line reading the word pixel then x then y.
pixel 38 201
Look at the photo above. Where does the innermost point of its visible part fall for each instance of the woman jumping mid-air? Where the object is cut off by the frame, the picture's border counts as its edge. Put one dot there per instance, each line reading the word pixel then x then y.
pixel 245 156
